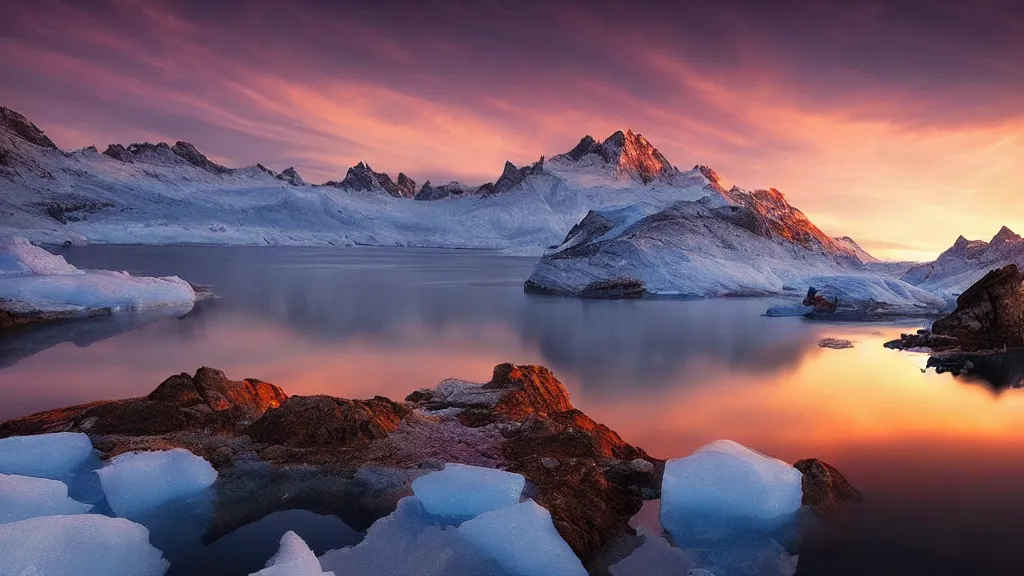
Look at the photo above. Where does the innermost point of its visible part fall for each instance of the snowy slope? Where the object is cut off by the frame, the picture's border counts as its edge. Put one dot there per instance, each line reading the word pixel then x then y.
pixel 163 194
pixel 965 262
pixel 738 243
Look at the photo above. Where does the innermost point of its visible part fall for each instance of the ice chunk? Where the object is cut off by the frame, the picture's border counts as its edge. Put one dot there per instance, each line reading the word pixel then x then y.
pixel 23 497
pixel 18 257
pixel 462 492
pixel 137 482
pixel 522 539
pixel 654 556
pixel 80 545
pixel 725 486
pixel 92 292
pixel 396 543
pixel 293 558
pixel 53 456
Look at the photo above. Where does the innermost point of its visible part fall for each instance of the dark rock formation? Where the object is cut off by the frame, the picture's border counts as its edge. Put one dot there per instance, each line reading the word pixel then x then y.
pixel 306 421
pixel 824 487
pixel 511 177
pixel 614 289
pixel 291 176
pixel 362 178
pixel 117 152
pixel 990 314
pixel 708 173
pixel 406 185
pixel 923 339
pixel 820 303
pixel 190 154
pixel 22 128
pixel 430 192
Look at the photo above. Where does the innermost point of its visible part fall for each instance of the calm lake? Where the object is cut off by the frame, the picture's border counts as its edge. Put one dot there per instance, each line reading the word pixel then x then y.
pixel 940 460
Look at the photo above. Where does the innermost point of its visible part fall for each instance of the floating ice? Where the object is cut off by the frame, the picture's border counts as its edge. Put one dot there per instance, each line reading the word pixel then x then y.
pixel 137 482
pixel 79 545
pixel 522 539
pixel 654 556
pixel 53 456
pixel 725 486
pixel 462 492
pixel 23 497
pixel 293 558
pixel 18 257
pixel 396 544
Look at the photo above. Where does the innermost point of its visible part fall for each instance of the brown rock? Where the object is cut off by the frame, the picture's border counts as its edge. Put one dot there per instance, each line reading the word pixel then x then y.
pixel 530 390
pixel 990 314
pixel 308 421
pixel 824 487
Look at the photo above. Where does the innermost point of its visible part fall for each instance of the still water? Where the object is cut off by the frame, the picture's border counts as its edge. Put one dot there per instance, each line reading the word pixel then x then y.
pixel 940 460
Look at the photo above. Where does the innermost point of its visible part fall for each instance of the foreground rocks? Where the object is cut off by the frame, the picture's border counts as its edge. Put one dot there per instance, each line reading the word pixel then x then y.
pixel 356 458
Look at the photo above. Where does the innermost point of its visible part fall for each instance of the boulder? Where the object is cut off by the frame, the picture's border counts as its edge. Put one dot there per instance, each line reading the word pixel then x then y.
pixel 990 314
pixel 824 487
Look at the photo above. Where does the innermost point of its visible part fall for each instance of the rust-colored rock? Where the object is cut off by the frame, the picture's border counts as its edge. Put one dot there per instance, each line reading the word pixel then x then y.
pixel 990 314
pixel 530 390
pixel 207 402
pixel 824 487
pixel 308 421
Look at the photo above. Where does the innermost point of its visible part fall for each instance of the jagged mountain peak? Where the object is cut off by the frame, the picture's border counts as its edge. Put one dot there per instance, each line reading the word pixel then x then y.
pixel 1006 236
pixel 163 153
pixel 511 176
pixel 632 156
pixel 291 176
pixel 23 128
pixel 363 178
pixel 708 173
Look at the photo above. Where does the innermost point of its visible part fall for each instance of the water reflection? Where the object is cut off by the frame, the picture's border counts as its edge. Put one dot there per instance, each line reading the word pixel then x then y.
pixel 997 372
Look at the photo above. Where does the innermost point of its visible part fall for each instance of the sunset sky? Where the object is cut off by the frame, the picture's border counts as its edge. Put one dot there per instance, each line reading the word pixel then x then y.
pixel 898 123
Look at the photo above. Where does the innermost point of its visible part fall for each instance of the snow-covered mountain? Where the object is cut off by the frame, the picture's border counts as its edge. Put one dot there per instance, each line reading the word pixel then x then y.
pixel 966 261
pixel 861 254
pixel 729 243
pixel 162 193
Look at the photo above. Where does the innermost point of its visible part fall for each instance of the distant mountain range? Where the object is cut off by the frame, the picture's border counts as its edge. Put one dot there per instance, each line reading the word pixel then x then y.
pixel 163 193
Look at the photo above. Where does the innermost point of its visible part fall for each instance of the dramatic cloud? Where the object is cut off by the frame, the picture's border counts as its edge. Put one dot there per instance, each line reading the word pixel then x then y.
pixel 898 123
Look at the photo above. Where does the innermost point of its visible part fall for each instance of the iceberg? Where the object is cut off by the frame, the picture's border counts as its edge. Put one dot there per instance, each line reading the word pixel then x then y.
pixel 137 482
pixel 39 286
pixel 293 558
pixel 54 456
pixel 523 540
pixel 23 497
pixel 462 492
pixel 79 545
pixel 726 487
pixel 396 543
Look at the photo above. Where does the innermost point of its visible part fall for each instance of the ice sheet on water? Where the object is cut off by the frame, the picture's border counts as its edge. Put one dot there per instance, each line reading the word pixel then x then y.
pixel 53 456
pixel 94 290
pixel 725 486
pixel 137 482
pixel 461 492
pixel 523 540
pixel 79 545
pixel 293 558
pixel 410 541
pixel 23 497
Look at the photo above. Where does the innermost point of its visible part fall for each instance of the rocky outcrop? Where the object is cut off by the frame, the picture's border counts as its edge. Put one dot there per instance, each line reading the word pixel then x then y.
pixel 362 178
pixel 291 176
pixel 824 487
pixel 190 154
pixel 511 177
pixel 439 192
pixel 339 456
pixel 406 185
pixel 990 314
pixel 923 340
pixel 22 128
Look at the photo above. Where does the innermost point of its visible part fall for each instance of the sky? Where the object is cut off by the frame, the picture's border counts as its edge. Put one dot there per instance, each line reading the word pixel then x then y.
pixel 899 123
